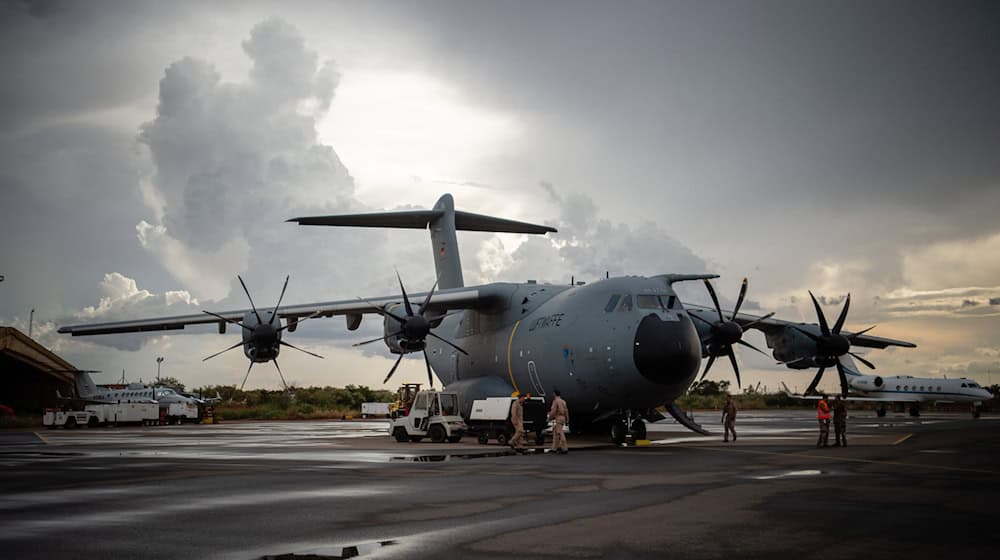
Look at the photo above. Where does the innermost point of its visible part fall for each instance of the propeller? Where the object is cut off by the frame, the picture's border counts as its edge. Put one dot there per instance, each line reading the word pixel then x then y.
pixel 831 345
pixel 413 329
pixel 261 339
pixel 723 334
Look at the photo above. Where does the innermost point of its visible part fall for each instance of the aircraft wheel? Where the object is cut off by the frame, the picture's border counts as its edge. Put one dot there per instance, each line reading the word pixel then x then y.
pixel 618 432
pixel 914 411
pixel 483 439
pixel 502 438
pixel 400 435
pixel 638 429
pixel 437 433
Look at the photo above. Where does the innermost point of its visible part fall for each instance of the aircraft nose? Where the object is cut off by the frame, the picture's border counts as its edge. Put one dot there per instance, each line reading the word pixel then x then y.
pixel 667 352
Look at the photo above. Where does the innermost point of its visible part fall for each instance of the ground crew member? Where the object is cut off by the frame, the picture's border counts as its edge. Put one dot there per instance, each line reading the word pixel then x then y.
pixel 729 418
pixel 823 414
pixel 560 414
pixel 840 422
pixel 517 420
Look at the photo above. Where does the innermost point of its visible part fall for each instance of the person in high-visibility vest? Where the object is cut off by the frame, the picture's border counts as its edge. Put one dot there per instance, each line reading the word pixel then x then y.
pixel 823 414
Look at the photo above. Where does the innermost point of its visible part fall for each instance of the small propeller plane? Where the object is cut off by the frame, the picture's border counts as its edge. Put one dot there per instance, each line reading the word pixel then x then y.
pixel 616 349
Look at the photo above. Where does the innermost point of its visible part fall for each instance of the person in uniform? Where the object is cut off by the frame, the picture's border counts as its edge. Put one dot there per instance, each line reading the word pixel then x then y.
pixel 729 418
pixel 517 420
pixel 823 415
pixel 839 422
pixel 559 412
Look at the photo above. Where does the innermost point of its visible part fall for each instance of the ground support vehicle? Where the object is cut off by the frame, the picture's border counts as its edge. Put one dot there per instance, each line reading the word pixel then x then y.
pixel 490 419
pixel 69 419
pixel 434 415
pixel 147 414
pixel 176 413
pixel 370 409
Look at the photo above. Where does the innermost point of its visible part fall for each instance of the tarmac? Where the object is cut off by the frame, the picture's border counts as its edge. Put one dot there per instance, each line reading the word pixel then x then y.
pixel 923 487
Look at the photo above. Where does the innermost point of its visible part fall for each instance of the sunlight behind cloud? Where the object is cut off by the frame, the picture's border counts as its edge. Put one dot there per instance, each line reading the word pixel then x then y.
pixel 395 128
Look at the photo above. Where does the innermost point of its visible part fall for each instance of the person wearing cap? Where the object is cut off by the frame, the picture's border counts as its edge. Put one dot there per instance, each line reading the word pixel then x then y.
pixel 517 420
pixel 559 413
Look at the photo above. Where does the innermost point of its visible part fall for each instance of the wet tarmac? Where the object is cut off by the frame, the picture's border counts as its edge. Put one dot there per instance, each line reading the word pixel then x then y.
pixel 920 487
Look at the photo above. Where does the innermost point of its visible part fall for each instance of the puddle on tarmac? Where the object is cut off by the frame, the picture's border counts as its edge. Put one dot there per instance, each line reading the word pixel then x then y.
pixel 332 553
pixel 787 474
pixel 939 451
pixel 449 457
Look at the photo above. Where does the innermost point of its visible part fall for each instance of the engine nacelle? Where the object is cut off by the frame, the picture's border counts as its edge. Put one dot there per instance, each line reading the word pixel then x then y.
pixel 865 383
pixel 792 347
pixel 262 341
pixel 390 326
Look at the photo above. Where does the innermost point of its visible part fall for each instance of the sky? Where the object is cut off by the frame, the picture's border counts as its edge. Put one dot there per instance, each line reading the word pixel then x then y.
pixel 152 151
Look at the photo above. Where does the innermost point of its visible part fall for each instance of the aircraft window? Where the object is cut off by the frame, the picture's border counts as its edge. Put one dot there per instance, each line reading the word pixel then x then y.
pixel 421 403
pixel 626 303
pixel 921 387
pixel 939 388
pixel 964 385
pixel 906 387
pixel 897 387
pixel 612 303
pixel 646 301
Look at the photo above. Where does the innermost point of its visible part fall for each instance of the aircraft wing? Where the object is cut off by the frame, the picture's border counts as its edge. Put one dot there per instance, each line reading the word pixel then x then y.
pixel 902 398
pixel 475 297
pixel 771 325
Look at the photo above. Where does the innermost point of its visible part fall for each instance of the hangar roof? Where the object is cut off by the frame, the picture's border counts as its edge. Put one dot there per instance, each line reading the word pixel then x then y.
pixel 17 345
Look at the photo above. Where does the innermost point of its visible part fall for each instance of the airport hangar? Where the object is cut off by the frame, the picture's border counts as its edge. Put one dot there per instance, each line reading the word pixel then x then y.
pixel 30 374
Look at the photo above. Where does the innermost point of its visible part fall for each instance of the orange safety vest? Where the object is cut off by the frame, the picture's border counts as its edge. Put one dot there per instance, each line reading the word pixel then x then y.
pixel 823 410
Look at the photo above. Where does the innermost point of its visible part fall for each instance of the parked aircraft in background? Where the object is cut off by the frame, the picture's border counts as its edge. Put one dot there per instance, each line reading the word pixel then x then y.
pixel 616 349
pixel 909 391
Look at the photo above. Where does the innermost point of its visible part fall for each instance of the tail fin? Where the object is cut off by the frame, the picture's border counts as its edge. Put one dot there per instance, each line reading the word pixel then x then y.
pixel 850 368
pixel 443 221
pixel 85 386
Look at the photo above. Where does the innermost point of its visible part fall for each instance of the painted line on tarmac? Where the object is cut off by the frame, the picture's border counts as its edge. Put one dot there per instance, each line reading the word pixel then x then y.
pixel 902 439
pixel 41 437
pixel 849 459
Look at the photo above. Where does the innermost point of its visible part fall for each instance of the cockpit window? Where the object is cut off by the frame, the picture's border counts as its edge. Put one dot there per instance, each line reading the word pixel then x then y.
pixel 612 303
pixel 626 303
pixel 964 385
pixel 646 301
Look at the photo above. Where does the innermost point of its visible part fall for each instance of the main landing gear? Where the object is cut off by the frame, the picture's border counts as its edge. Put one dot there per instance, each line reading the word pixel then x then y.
pixel 627 424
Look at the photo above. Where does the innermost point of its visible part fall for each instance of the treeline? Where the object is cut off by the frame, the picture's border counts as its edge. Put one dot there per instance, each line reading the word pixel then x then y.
pixel 297 403
pixel 710 394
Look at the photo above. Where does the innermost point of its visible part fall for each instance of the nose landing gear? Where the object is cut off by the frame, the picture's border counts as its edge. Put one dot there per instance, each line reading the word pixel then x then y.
pixel 628 424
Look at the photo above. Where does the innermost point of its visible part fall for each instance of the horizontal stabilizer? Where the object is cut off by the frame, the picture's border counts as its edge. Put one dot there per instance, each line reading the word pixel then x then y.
pixel 420 219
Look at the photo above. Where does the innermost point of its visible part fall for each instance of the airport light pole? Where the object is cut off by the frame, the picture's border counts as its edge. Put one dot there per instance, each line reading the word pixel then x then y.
pixel 159 360
pixel 31 321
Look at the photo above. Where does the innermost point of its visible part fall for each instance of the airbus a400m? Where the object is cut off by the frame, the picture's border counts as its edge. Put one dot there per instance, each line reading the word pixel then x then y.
pixel 617 349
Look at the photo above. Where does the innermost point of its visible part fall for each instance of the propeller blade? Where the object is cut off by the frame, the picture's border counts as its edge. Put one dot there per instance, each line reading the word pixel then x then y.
pixel 843 316
pixel 859 333
pixel 297 321
pixel 377 339
pixel 237 345
pixel 448 343
pixel 290 345
pixel 815 381
pixel 823 326
pixel 751 346
pixel 245 377
pixel 761 319
pixel 862 360
pixel 739 300
pixel 715 300
pixel 252 306
pixel 708 366
pixel 406 299
pixel 843 379
pixel 423 306
pixel 736 368
pixel 282 296
pixel 430 374
pixel 233 321
pixel 281 375
pixel 393 370
pixel 383 311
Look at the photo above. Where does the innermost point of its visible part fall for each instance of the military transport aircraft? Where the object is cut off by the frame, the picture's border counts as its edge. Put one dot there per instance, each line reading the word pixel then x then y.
pixel 616 349
pixel 909 391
